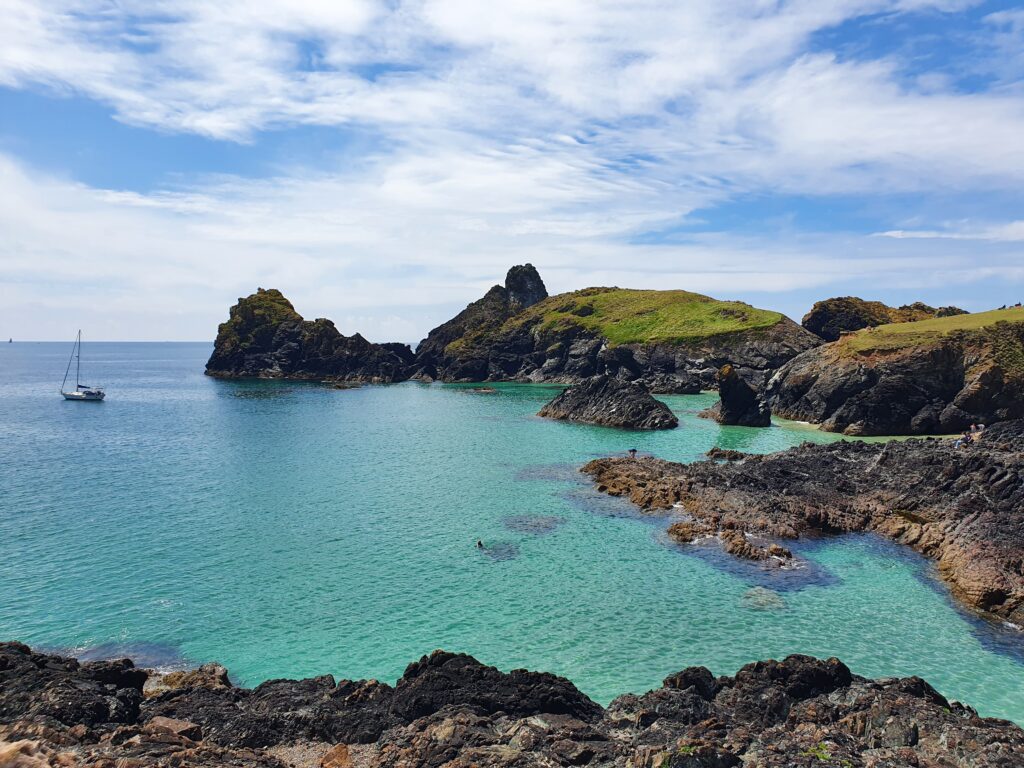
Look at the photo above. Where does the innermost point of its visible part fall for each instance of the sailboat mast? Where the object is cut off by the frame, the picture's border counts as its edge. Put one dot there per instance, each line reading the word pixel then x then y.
pixel 78 359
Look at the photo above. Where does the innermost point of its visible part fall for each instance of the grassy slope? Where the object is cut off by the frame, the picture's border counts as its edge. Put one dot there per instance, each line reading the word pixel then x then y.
pixel 983 327
pixel 626 316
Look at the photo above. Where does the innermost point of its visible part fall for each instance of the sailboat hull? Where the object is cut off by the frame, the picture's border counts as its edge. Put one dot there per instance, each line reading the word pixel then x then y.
pixel 84 396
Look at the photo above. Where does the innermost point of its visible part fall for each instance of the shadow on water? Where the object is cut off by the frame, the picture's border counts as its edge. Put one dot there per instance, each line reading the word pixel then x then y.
pixel 161 656
pixel 499 551
pixel 536 525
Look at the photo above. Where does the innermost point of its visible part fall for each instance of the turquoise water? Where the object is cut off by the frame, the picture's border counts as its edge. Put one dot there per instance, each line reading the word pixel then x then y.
pixel 287 530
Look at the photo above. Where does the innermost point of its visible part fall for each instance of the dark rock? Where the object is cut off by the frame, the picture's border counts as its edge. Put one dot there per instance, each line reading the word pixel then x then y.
pixel 831 318
pixel 611 403
pixel 265 337
pixel 875 384
pixel 738 404
pixel 963 507
pixel 524 287
pixel 447 679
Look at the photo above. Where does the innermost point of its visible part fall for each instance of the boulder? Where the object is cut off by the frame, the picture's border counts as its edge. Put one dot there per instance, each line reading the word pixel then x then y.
pixel 610 402
pixel 739 404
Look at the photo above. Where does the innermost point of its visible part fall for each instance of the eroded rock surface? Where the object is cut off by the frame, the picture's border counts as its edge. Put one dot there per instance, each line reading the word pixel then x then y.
pixel 831 318
pixel 963 507
pixel 739 404
pixel 449 710
pixel 610 402
pixel 265 337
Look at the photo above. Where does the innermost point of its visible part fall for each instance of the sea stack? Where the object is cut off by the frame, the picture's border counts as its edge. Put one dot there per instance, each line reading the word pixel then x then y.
pixel 610 402
pixel 739 404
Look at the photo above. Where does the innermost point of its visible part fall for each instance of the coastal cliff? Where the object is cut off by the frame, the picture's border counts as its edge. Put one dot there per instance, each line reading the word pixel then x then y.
pixel 450 710
pixel 962 507
pixel 265 337
pixel 831 318
pixel 934 376
pixel 673 342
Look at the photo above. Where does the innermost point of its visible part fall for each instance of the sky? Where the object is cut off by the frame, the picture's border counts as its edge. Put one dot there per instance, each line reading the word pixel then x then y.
pixel 384 162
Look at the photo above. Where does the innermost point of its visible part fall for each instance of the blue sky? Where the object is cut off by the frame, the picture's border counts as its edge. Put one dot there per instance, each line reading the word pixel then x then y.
pixel 383 163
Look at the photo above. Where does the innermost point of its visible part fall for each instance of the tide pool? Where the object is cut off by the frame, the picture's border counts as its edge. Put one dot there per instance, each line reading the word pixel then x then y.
pixel 288 529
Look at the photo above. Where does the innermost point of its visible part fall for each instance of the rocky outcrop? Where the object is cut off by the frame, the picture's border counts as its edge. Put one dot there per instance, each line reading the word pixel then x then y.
pixel 673 342
pixel 901 381
pixel 522 289
pixel 831 318
pixel 962 507
pixel 610 402
pixel 450 710
pixel 739 404
pixel 265 337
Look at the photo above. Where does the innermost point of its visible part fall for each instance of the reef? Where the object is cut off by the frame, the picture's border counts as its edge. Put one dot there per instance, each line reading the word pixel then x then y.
pixel 610 402
pixel 960 506
pixel 450 710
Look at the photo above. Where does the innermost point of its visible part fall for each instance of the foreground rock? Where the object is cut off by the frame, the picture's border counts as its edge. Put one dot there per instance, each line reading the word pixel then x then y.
pixel 265 337
pixel 831 318
pixel 936 376
pixel 610 402
pixel 673 342
pixel 963 507
pixel 450 710
pixel 739 404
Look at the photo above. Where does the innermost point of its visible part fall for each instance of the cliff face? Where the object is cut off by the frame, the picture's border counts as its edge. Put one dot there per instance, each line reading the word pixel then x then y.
pixel 265 337
pixel 739 404
pixel 830 318
pixel 962 507
pixel 450 710
pixel 610 402
pixel 671 341
pixel 931 377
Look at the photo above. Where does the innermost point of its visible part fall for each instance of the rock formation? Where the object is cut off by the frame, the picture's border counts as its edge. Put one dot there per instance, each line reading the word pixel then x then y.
pixel 671 341
pixel 265 337
pixel 962 507
pixel 739 404
pixel 610 402
pixel 450 710
pixel 929 377
pixel 831 318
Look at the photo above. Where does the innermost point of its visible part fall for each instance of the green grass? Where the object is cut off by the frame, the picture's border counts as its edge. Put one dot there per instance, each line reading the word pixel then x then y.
pixel 922 332
pixel 626 316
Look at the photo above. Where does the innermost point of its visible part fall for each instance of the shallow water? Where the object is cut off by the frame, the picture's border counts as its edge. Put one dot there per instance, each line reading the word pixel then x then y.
pixel 288 529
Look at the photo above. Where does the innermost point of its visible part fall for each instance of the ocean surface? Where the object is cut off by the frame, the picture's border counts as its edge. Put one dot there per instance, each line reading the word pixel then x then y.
pixel 289 529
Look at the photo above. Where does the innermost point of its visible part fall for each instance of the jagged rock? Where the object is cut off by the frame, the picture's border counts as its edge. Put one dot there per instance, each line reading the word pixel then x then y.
pixel 610 402
pixel 800 711
pixel 963 507
pixel 900 381
pixel 265 337
pixel 831 318
pixel 738 404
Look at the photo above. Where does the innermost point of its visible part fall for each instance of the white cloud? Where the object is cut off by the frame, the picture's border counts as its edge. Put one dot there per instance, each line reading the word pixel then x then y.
pixel 1012 231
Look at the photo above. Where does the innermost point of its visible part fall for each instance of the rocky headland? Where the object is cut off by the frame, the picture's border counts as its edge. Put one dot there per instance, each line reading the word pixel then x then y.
pixel 934 376
pixel 738 404
pixel 450 710
pixel 673 342
pixel 265 337
pixel 610 402
pixel 831 318
pixel 962 507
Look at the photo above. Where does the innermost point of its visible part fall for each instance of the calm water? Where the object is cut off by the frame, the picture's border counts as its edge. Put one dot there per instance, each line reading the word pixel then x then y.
pixel 291 530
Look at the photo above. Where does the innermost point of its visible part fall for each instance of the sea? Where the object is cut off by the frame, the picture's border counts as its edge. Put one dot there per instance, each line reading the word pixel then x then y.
pixel 290 529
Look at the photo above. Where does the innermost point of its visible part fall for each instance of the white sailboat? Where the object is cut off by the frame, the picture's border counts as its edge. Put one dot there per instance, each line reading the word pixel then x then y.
pixel 81 391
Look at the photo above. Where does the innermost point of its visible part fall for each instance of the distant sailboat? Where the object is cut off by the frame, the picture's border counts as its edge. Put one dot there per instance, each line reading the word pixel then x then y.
pixel 81 391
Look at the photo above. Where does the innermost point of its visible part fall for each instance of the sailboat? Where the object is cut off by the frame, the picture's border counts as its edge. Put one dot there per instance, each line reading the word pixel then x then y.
pixel 81 391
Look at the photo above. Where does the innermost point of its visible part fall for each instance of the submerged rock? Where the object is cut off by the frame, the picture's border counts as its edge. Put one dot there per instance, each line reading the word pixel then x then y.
pixel 739 404
pixel 610 402
pixel 963 507
pixel 762 599
pixel 450 710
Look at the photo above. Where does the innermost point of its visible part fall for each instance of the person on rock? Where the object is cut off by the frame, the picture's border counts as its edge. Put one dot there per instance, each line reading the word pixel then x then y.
pixel 632 453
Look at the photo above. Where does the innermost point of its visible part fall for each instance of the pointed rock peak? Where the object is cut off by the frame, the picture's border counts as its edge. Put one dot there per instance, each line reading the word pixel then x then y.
pixel 524 286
